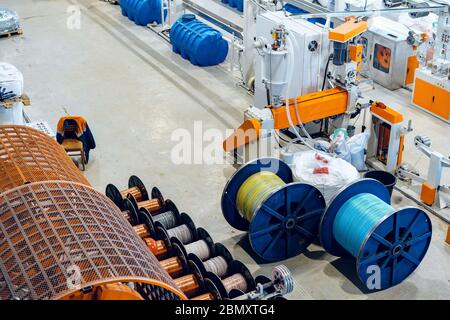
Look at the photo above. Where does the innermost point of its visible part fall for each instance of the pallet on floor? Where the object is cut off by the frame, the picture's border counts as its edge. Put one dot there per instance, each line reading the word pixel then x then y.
pixel 12 33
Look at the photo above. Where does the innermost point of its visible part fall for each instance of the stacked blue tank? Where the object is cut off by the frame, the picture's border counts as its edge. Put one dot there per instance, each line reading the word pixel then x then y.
pixel 197 42
pixel 238 4
pixel 296 10
pixel 142 12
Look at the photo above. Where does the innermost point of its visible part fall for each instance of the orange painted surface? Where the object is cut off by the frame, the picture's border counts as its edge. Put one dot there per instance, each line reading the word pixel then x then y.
pixel 356 53
pixel 428 193
pixel 413 64
pixel 400 150
pixel 432 98
pixel 348 30
pixel 247 132
pixel 386 113
pixel 441 105
pixel 117 291
pixel 448 235
pixel 311 107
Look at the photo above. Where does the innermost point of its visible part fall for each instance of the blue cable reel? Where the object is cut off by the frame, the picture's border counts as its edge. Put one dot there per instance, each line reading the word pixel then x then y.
pixel 287 218
pixel 359 222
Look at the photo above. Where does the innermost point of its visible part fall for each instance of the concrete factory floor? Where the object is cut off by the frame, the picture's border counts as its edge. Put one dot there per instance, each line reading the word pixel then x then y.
pixel 135 93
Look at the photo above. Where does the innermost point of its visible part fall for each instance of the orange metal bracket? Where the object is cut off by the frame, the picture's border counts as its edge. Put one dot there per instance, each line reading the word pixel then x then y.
pixel 247 132
pixel 311 107
pixel 348 30
pixel 386 113
pixel 428 193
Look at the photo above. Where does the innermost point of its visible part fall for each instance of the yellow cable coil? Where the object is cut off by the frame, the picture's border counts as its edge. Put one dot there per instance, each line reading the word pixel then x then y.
pixel 255 190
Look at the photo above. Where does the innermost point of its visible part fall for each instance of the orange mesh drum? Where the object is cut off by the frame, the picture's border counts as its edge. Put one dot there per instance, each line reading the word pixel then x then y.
pixel 62 240
pixel 28 155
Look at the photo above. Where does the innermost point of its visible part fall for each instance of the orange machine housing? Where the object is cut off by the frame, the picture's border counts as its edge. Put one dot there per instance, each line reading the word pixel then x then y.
pixel 348 30
pixel 310 107
pixel 432 98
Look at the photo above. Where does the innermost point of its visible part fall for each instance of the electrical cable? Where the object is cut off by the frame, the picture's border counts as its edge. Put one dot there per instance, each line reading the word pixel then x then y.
pixel 167 219
pixel 236 281
pixel 254 190
pixel 217 265
pixel 200 248
pixel 182 232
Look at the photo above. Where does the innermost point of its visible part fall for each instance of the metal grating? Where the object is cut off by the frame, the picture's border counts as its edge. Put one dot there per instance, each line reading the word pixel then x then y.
pixel 28 155
pixel 52 231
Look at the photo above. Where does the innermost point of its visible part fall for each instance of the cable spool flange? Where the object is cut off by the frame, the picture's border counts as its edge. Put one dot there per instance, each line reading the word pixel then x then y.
pixel 133 214
pixel 219 251
pixel 118 196
pixel 183 249
pixel 396 244
pixel 287 220
pixel 235 268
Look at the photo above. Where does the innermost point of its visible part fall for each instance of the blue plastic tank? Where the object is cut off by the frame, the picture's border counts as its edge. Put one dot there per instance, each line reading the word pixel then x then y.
pixel 142 12
pixel 198 42
pixel 238 4
pixel 296 10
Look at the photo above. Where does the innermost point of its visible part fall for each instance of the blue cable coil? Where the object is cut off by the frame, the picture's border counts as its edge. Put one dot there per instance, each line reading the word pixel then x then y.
pixel 238 4
pixel 388 244
pixel 357 218
pixel 143 12
pixel 282 217
pixel 198 42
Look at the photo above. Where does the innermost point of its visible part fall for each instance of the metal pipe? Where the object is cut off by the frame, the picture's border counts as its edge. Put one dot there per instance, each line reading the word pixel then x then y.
pixel 222 23
pixel 368 13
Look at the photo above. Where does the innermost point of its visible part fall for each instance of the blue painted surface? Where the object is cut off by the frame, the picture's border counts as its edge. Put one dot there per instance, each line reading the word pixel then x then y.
pixel 238 4
pixel 391 243
pixel 295 10
pixel 142 12
pixel 198 42
pixel 287 222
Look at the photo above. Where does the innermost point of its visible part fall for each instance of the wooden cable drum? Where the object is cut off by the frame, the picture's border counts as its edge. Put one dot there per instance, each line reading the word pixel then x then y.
pixel 29 155
pixel 136 189
pixel 51 230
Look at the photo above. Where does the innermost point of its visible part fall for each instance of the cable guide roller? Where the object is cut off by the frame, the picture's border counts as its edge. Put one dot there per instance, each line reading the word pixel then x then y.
pixel 282 217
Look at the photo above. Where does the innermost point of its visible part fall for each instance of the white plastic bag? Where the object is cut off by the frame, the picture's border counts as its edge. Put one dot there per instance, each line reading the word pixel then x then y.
pixel 357 144
pixel 339 144
pixel 11 85
pixel 326 173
